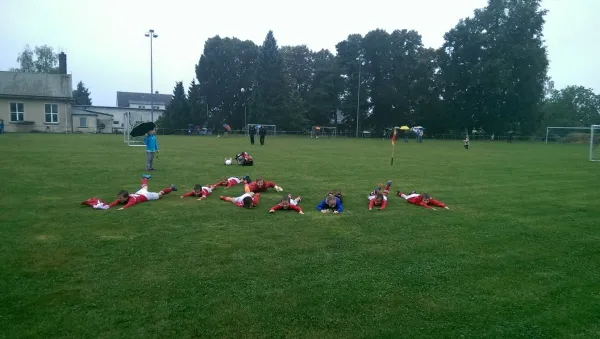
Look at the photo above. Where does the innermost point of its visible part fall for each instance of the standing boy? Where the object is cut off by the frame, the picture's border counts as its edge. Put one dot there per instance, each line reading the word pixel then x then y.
pixel 1 126
pixel 151 149
pixel 252 133
pixel 262 132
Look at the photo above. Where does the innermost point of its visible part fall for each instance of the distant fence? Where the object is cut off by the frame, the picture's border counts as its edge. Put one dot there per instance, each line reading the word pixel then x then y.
pixel 30 128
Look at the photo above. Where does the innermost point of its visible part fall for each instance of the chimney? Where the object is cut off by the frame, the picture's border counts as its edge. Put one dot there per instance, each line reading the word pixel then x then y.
pixel 62 63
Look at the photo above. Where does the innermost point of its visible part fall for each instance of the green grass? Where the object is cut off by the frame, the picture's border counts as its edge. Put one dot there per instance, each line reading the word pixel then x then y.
pixel 516 257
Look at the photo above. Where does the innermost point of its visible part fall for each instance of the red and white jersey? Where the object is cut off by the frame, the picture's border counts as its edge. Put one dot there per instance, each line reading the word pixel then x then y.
pixel 372 197
pixel 240 200
pixel 206 190
pixel 233 181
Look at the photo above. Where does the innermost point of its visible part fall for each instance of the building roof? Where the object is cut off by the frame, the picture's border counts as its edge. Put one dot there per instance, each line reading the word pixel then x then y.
pixel 114 108
pixel 84 111
pixel 125 98
pixel 36 85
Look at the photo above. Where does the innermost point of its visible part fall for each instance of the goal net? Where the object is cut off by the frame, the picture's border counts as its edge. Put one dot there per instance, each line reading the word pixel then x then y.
pixel 595 143
pixel 130 120
pixel 271 129
pixel 568 135
pixel 323 132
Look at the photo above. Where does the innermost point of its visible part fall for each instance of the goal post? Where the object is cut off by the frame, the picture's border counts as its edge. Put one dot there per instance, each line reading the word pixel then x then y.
pixel 271 129
pixel 130 121
pixel 594 143
pixel 323 131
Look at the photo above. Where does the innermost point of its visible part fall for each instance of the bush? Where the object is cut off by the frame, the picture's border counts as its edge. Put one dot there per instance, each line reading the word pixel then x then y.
pixel 577 138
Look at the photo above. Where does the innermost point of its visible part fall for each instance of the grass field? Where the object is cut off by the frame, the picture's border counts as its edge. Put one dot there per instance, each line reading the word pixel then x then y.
pixel 516 257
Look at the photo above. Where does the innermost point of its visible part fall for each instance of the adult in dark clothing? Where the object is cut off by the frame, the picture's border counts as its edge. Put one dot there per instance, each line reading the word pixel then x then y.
pixel 510 138
pixel 252 133
pixel 262 132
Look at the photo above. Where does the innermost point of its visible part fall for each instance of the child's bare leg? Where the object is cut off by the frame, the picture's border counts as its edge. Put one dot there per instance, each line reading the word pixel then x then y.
pixel 145 178
pixel 227 199
pixel 386 190
pixel 246 188
pixel 167 190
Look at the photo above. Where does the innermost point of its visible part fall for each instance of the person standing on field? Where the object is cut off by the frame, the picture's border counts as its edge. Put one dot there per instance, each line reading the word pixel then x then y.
pixel 262 132
pixel 151 149
pixel 252 133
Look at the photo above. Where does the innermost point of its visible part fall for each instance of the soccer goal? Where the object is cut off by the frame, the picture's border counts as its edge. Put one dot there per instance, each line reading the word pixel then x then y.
pixel 271 129
pixel 130 120
pixel 594 143
pixel 323 132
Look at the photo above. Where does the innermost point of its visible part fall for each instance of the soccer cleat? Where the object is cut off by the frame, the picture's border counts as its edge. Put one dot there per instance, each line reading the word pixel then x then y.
pixel 247 179
pixel 173 188
pixel 146 176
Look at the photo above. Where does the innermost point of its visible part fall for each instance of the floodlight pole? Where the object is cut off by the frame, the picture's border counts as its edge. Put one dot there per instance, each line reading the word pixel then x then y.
pixel 152 36
pixel 360 62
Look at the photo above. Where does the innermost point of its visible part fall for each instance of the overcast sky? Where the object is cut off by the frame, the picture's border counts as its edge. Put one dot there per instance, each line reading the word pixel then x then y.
pixel 106 48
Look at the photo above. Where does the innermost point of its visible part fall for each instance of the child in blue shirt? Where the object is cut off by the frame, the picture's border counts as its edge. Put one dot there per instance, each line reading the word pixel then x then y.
pixel 151 149
pixel 333 202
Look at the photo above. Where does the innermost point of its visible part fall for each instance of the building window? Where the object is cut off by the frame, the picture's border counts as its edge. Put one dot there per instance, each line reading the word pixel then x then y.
pixel 115 122
pixel 82 122
pixel 17 111
pixel 51 113
pixel 156 107
pixel 141 106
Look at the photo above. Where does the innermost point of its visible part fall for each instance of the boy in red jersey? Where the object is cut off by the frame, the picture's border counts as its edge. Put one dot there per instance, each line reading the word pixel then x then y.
pixel 378 198
pixel 246 200
pixel 288 203
pixel 259 185
pixel 229 182
pixel 244 159
pixel 142 195
pixel 422 200
pixel 200 191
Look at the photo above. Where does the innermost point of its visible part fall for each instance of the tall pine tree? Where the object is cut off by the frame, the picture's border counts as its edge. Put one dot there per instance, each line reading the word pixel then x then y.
pixel 176 115
pixel 81 95
pixel 271 90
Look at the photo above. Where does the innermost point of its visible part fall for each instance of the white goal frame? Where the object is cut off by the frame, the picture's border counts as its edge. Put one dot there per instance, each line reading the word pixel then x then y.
pixel 130 120
pixel 322 131
pixel 274 129
pixel 593 135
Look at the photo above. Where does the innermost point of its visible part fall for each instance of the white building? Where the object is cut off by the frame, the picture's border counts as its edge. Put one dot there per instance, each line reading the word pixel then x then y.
pixel 143 100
